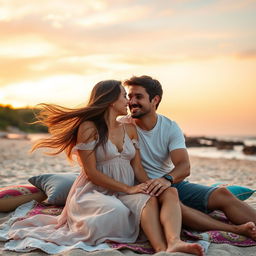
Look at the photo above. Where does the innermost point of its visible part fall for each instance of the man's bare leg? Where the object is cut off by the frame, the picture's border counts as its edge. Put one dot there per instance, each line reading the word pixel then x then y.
pixel 237 211
pixel 200 221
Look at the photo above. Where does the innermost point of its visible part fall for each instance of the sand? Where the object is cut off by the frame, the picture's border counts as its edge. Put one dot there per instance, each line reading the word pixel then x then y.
pixel 17 165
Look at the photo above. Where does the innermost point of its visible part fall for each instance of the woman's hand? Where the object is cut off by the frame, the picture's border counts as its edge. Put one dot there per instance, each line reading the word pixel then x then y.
pixel 141 188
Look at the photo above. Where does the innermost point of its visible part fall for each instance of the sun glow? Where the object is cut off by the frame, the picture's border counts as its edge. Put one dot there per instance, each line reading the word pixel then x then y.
pixel 26 47
pixel 56 89
pixel 203 53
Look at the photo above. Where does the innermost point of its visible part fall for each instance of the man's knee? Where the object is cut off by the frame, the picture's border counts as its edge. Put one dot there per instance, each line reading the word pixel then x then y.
pixel 220 197
pixel 221 193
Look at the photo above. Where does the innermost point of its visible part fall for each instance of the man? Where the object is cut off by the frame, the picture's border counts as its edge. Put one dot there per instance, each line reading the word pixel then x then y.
pixel 165 159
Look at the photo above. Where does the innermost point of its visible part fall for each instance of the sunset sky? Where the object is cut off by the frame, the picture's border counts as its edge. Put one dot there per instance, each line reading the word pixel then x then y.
pixel 202 52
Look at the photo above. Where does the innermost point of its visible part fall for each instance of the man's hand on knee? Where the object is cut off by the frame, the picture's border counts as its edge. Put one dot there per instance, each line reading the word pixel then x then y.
pixel 157 186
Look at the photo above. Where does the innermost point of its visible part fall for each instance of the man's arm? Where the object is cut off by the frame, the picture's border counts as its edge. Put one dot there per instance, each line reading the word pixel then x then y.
pixel 181 163
pixel 180 171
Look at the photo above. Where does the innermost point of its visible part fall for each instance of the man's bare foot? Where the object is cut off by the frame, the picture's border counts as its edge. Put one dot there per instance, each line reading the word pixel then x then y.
pixel 181 246
pixel 248 229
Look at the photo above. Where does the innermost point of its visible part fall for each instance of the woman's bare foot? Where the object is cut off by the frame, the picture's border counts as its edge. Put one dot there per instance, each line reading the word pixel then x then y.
pixel 181 246
pixel 248 229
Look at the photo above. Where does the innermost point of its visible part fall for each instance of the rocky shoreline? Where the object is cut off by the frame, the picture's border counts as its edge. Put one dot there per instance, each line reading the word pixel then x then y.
pixel 191 141
pixel 219 144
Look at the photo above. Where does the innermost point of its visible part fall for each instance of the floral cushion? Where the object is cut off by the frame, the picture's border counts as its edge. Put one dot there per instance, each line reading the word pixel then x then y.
pixel 13 196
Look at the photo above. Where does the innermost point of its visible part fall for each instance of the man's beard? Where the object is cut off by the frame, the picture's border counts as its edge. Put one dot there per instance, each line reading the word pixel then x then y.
pixel 137 114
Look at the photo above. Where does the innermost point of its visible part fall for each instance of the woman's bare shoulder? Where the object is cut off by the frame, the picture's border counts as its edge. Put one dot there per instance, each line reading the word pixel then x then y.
pixel 131 130
pixel 87 131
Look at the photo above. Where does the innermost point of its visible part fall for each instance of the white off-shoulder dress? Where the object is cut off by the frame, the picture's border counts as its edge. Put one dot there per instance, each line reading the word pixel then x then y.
pixel 93 214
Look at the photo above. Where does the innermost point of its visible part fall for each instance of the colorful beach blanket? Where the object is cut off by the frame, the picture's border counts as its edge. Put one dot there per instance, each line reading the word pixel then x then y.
pixel 204 238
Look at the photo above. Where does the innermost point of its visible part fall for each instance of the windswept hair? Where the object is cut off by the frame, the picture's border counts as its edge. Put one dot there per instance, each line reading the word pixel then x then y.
pixel 152 86
pixel 63 123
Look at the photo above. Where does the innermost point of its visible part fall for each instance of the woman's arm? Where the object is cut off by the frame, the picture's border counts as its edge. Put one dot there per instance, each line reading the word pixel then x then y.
pixel 139 171
pixel 87 133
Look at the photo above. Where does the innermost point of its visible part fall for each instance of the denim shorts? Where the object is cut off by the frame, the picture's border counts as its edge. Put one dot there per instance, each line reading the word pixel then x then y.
pixel 194 195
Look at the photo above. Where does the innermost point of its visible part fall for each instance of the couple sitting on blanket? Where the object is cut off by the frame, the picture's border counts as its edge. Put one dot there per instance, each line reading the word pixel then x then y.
pixel 104 203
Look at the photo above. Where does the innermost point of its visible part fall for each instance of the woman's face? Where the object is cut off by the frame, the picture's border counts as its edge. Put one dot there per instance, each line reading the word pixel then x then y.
pixel 121 104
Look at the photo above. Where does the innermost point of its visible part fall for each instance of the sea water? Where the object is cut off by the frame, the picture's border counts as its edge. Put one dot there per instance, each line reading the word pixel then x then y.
pixel 236 153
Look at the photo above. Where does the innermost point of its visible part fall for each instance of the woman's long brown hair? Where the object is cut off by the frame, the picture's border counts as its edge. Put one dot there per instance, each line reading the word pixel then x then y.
pixel 63 123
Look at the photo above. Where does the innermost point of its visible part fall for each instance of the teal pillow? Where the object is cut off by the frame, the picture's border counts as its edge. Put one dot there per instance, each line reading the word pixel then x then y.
pixel 240 192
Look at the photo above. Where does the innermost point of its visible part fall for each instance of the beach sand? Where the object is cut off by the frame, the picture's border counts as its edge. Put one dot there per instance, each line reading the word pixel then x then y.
pixel 17 165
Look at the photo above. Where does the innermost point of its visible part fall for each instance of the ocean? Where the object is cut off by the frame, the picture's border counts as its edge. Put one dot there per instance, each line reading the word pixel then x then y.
pixel 236 153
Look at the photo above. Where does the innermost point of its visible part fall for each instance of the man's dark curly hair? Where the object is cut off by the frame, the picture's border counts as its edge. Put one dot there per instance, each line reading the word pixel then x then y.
pixel 152 86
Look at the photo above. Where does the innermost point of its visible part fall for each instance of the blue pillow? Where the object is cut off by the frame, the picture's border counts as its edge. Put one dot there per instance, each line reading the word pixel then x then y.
pixel 240 192
pixel 55 185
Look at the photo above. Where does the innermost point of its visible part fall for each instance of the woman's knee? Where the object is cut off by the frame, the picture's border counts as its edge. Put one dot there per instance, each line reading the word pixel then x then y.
pixel 170 194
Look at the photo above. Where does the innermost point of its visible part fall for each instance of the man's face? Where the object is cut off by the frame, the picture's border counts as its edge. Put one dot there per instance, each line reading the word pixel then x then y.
pixel 139 102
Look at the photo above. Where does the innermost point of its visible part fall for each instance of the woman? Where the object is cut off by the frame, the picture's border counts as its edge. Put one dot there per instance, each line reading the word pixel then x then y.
pixel 103 203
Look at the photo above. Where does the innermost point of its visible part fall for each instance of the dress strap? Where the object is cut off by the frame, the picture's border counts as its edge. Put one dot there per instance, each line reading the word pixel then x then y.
pixel 85 146
pixel 134 141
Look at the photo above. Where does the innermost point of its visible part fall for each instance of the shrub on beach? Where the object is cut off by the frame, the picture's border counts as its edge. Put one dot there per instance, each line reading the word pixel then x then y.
pixel 20 118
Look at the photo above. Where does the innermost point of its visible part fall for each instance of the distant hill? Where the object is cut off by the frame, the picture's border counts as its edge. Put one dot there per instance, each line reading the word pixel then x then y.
pixel 20 118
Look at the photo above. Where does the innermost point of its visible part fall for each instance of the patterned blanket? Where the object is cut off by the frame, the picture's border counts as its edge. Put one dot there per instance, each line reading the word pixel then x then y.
pixel 213 236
